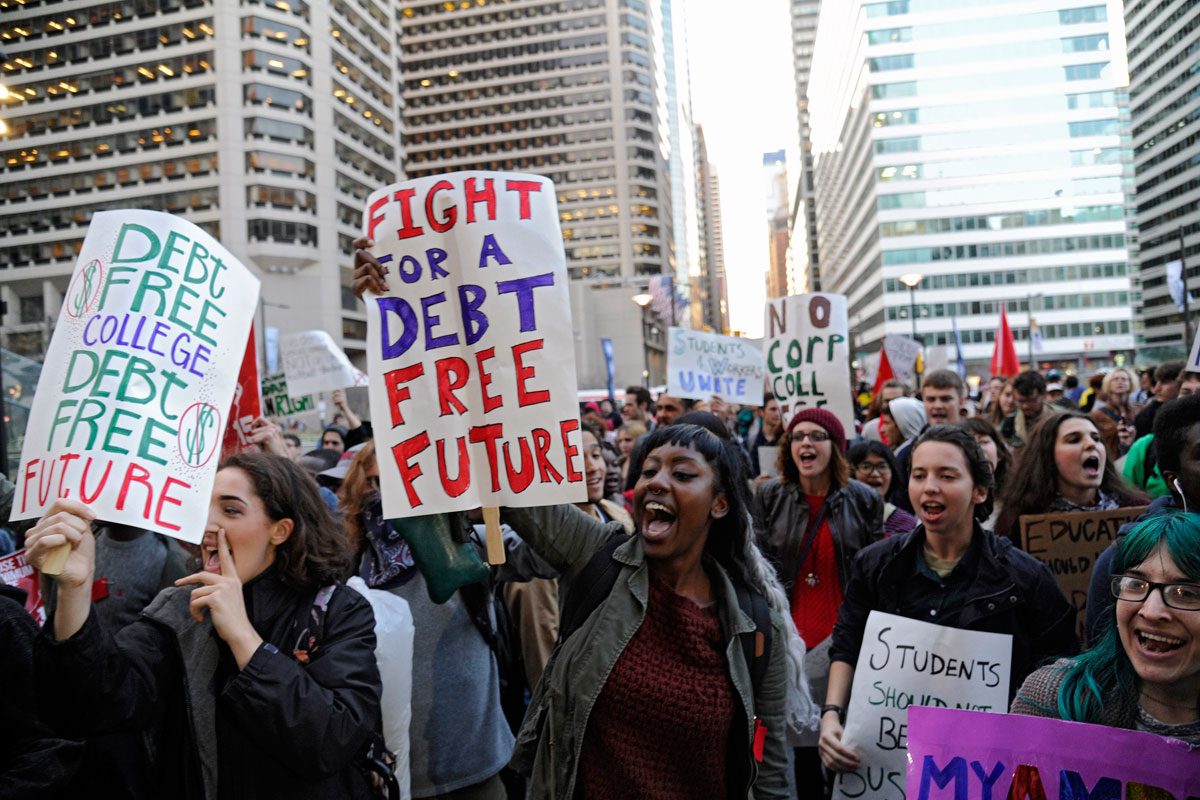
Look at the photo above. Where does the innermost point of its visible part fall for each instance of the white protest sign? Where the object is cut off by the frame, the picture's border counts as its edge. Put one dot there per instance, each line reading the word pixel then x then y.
pixel 902 355
pixel 704 365
pixel 903 663
pixel 473 394
pixel 808 356
pixel 313 362
pixel 278 402
pixel 138 380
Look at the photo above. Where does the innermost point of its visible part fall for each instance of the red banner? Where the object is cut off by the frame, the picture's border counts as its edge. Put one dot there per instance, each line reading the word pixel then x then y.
pixel 247 403
pixel 16 572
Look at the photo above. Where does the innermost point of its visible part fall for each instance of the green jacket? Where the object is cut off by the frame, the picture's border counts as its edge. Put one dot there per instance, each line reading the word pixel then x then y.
pixel 551 737
pixel 1134 470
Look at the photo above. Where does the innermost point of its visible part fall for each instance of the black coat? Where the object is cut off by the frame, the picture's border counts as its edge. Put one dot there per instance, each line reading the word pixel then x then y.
pixel 276 728
pixel 855 516
pixel 1011 592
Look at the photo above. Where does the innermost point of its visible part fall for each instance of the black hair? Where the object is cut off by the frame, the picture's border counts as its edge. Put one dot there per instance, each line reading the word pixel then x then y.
pixel 641 393
pixel 1171 424
pixel 292 438
pixel 978 426
pixel 727 536
pixel 1071 382
pixel 977 463
pixel 1168 372
pixel 859 451
pixel 705 420
pixel 590 426
pixel 1029 383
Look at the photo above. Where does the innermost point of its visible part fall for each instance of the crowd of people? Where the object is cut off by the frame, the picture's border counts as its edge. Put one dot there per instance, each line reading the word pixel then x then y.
pixel 691 630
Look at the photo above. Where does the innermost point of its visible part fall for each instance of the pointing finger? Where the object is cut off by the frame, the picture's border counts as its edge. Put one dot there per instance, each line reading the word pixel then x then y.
pixel 225 553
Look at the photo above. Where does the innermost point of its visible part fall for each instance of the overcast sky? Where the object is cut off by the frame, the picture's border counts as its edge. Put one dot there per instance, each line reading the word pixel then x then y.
pixel 743 94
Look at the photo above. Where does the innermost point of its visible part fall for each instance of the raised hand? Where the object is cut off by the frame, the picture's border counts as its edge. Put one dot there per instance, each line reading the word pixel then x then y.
pixel 368 273
pixel 221 595
pixel 66 522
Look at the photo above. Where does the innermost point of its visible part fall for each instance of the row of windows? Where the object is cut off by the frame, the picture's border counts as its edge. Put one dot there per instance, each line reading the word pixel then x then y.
pixel 540 159
pixel 1013 22
pixel 488 74
pixel 1189 77
pixel 508 145
pixel 1181 168
pixel 1180 190
pixel 19 191
pixel 363 54
pixel 296 7
pixel 1166 46
pixel 1018 277
pixel 511 54
pixel 361 135
pixel 1151 15
pixel 528 164
pixel 80 149
pixel 278 231
pixel 349 216
pixel 473 39
pixel 168 69
pixel 585 117
pixel 276 31
pixel 356 189
pixel 1049 303
pixel 279 197
pixel 998 192
pixel 1066 244
pixel 897 7
pixel 1004 221
pixel 494 20
pixel 515 106
pixel 90 16
pixel 278 131
pixel 259 61
pixel 60 219
pixel 352 157
pixel 595 272
pixel 130 108
pixel 1141 83
pixel 105 46
pixel 1170 131
pixel 1183 145
pixel 993 136
pixel 367 29
pixel 379 17
pixel 280 164
pixel 1036 76
pixel 363 81
pixel 516 12
pixel 361 107
pixel 1184 210
pixel 508 127
pixel 1002 165
pixel 1072 330
pixel 1008 51
pixel 276 97
pixel 1024 105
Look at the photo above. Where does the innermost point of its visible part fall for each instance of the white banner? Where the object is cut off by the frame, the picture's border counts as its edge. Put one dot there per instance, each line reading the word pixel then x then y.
pixel 138 380
pixel 472 352
pixel 903 663
pixel 902 355
pixel 807 355
pixel 313 362
pixel 704 365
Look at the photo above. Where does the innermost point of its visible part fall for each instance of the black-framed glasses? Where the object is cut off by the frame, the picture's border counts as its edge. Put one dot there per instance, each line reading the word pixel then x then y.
pixel 1182 596
pixel 816 437
pixel 866 468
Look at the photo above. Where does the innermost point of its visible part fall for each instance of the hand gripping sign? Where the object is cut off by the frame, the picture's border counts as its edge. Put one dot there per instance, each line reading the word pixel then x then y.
pixel 471 352
pixel 139 377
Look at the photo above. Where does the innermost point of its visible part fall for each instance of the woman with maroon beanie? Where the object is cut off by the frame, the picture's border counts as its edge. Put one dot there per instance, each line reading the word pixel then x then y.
pixel 811 522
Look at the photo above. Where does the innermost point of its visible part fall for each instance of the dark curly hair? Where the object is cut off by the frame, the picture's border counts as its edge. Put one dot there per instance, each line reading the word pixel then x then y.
pixel 977 463
pixel 858 453
pixel 978 426
pixel 317 553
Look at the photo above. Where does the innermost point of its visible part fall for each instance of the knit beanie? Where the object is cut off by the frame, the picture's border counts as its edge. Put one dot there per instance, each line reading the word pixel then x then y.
pixel 827 420
pixel 908 414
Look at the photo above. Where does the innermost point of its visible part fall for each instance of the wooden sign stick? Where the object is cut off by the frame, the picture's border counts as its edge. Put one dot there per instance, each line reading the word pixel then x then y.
pixel 495 542
pixel 56 562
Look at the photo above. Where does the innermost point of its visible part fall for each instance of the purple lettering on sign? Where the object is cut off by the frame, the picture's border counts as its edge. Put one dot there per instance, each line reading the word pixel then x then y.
pixel 523 288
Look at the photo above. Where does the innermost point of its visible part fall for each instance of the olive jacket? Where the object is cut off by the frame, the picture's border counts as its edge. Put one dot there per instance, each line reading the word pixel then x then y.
pixel 551 737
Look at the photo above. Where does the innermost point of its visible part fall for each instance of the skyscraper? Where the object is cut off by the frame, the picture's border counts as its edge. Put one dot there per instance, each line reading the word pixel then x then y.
pixel 805 14
pixel 575 90
pixel 267 124
pixel 976 145
pixel 775 175
pixel 1164 103
pixel 709 292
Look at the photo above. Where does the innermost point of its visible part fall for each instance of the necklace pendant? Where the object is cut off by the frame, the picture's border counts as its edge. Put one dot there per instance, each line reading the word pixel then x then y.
pixel 812 579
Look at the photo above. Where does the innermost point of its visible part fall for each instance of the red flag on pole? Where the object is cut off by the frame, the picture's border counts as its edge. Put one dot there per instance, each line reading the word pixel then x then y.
pixel 885 371
pixel 1004 355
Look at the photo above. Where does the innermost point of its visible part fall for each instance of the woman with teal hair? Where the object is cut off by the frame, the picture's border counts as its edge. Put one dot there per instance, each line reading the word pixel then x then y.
pixel 1144 672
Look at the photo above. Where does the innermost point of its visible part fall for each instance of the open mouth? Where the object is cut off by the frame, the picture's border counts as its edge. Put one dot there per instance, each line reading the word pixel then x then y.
pixel 212 557
pixel 1157 643
pixel 657 519
pixel 932 512
pixel 807 458
pixel 1091 465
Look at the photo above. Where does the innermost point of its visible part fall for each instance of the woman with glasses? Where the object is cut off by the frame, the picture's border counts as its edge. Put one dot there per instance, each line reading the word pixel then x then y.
pixel 1144 672
pixel 874 464
pixel 811 522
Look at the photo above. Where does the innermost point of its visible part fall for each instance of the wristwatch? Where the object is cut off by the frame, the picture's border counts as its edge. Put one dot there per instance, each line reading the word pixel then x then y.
pixel 841 712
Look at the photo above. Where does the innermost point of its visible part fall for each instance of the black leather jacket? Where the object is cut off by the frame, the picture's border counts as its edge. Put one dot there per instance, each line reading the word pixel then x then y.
pixel 855 517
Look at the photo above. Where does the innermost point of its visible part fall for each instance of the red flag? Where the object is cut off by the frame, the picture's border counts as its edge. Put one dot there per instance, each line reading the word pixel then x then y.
pixel 247 405
pixel 885 371
pixel 1004 355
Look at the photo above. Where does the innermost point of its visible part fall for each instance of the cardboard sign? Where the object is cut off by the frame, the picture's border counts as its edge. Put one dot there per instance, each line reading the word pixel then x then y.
pixel 902 353
pixel 903 663
pixel 138 379
pixel 1069 543
pixel 808 356
pixel 247 405
pixel 313 362
pixel 472 354
pixel 971 756
pixel 277 402
pixel 704 365
pixel 15 571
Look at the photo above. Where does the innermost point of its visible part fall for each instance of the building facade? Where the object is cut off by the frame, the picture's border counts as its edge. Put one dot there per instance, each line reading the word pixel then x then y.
pixel 577 91
pixel 979 146
pixel 710 295
pixel 804 247
pixel 266 124
pixel 778 209
pixel 1163 37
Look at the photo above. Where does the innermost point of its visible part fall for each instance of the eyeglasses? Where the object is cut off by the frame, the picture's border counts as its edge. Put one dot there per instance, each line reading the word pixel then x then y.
pixel 373 481
pixel 1183 596
pixel 866 468
pixel 816 437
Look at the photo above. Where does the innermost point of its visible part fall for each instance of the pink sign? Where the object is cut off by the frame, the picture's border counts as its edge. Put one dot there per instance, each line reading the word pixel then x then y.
pixel 968 755
pixel 15 571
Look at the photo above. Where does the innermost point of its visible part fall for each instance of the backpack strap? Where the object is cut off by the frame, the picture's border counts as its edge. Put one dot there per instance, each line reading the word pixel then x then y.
pixel 593 583
pixel 756 644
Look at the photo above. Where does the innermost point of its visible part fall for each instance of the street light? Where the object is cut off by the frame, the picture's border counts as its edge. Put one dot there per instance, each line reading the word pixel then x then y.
pixel 911 280
pixel 643 299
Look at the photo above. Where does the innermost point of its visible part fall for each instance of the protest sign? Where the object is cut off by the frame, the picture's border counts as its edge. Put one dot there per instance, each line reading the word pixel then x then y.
pixel 704 365
pixel 277 402
pixel 138 379
pixel 1069 544
pixel 472 351
pixel 808 356
pixel 15 571
pixel 313 362
pixel 902 353
pixel 965 755
pixel 1193 362
pixel 905 663
pixel 247 405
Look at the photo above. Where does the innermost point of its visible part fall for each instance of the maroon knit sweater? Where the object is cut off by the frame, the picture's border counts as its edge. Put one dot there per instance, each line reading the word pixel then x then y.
pixel 661 725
